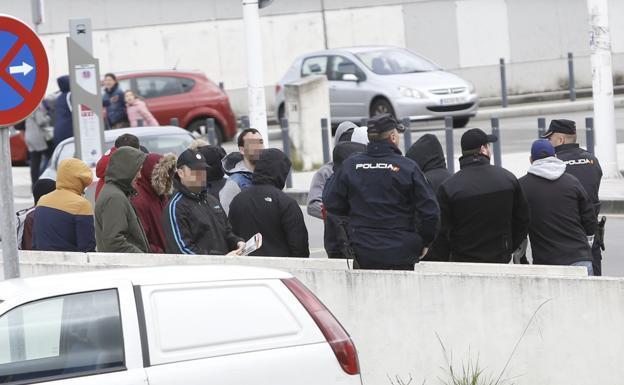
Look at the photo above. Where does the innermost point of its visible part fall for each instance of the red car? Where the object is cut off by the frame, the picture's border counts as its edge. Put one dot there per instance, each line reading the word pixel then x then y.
pixel 19 151
pixel 188 96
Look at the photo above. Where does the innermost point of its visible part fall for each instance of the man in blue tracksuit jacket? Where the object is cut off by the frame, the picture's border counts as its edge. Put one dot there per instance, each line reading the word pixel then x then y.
pixel 393 213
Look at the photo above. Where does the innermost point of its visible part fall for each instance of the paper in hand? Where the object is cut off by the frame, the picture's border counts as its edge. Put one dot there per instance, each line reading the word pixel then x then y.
pixel 253 244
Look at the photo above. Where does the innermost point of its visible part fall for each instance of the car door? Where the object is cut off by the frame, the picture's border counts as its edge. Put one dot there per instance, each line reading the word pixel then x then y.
pixel 347 89
pixel 165 96
pixel 88 337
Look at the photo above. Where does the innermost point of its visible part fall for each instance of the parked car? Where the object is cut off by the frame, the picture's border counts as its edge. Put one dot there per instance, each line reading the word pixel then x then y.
pixel 19 151
pixel 366 81
pixel 171 325
pixel 160 140
pixel 188 96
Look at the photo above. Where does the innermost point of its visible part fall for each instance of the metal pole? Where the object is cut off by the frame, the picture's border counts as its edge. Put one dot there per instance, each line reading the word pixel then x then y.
pixel 602 87
pixel 286 144
pixel 450 156
pixel 572 89
pixel 503 82
pixel 325 137
pixel 212 136
pixel 541 127
pixel 7 211
pixel 407 134
pixel 255 80
pixel 589 134
pixel 175 122
pixel 245 122
pixel 497 145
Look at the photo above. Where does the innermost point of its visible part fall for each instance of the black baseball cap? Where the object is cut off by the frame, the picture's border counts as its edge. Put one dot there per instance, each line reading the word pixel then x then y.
pixel 563 126
pixel 381 123
pixel 473 139
pixel 192 159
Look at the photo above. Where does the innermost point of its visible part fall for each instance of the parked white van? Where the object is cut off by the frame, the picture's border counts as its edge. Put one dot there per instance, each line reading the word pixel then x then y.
pixel 171 325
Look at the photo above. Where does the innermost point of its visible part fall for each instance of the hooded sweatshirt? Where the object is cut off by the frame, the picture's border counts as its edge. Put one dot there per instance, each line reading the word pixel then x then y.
pixel 154 187
pixel 428 154
pixel 264 208
pixel 117 227
pixel 215 176
pixel 239 178
pixel 562 215
pixel 138 110
pixel 64 218
pixel 63 125
pixel 100 170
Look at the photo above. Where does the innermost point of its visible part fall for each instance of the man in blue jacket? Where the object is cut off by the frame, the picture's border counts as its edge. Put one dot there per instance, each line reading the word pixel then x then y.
pixel 392 210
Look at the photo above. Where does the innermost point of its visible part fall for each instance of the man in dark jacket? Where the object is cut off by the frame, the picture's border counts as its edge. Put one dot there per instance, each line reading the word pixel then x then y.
pixel 264 208
pixel 63 124
pixel 393 214
pixel 428 154
pixel 117 227
pixel 194 221
pixel 584 166
pixel 562 216
pixel 485 215
pixel 214 173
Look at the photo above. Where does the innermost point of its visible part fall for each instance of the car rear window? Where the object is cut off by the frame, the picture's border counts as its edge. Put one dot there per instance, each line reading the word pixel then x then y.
pixel 159 86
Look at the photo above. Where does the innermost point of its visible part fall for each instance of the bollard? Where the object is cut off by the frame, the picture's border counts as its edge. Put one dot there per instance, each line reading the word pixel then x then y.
pixel 503 82
pixel 222 86
pixel 212 135
pixel 244 121
pixel 450 157
pixel 175 122
pixel 571 87
pixel 286 144
pixel 589 132
pixel 541 127
pixel 407 134
pixel 497 145
pixel 325 137
pixel 139 122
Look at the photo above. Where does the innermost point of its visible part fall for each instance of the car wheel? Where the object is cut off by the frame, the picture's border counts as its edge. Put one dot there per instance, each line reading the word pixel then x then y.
pixel 197 123
pixel 381 106
pixel 460 121
pixel 281 113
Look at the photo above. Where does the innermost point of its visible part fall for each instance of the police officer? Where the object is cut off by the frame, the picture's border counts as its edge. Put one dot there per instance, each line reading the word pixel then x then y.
pixel 585 167
pixel 392 210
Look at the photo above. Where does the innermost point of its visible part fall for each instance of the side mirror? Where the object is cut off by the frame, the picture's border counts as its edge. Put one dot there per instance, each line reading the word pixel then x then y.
pixel 350 78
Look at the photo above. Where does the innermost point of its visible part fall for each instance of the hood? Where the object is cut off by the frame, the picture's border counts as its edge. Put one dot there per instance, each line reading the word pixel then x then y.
pixel 427 152
pixel 360 135
pixel 123 167
pixel 73 175
pixel 427 80
pixel 342 127
pixel 550 168
pixel 162 174
pixel 233 162
pixel 271 168
pixel 344 150
pixel 63 83
pixel 42 187
pixel 213 155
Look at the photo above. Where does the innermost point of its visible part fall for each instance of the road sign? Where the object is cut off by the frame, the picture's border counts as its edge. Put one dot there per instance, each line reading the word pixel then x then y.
pixel 23 70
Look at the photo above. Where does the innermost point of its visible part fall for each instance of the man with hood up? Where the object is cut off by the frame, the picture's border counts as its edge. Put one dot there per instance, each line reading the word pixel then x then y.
pixel 63 124
pixel 154 187
pixel 64 218
pixel 428 154
pixel 264 208
pixel 117 227
pixel 562 215
pixel 214 173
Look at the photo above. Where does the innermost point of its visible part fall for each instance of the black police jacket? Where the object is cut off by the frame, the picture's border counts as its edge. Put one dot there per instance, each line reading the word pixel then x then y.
pixel 392 209
pixel 485 215
pixel 585 167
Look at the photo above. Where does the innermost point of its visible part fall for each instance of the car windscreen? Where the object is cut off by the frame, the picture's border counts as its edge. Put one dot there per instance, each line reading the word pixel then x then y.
pixel 395 61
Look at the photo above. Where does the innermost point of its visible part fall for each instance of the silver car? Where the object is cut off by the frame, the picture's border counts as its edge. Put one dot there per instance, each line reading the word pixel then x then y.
pixel 366 81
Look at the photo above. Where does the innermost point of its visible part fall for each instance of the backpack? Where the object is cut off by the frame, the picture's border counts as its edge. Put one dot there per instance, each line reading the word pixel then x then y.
pixel 21 220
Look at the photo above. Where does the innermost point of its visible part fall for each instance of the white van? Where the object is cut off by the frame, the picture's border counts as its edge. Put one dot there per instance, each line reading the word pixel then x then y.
pixel 171 325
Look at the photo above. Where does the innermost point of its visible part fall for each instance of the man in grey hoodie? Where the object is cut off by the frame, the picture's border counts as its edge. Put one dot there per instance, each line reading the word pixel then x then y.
pixel 562 221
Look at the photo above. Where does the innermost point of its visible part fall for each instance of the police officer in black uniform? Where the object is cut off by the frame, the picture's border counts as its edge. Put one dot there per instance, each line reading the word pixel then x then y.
pixel 392 210
pixel 585 167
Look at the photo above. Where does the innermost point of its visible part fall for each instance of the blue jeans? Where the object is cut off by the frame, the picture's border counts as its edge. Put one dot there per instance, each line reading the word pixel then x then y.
pixel 587 264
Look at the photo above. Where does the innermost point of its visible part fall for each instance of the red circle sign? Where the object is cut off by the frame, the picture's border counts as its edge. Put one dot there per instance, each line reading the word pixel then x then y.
pixel 30 96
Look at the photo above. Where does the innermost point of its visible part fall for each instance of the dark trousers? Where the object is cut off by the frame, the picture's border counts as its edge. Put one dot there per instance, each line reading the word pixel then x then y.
pixel 380 266
pixel 597 259
pixel 36 158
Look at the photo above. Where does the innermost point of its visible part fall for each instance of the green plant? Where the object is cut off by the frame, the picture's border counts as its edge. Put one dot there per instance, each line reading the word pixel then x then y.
pixel 470 374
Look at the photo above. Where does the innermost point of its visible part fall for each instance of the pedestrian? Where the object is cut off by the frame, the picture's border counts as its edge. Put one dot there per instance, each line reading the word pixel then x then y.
pixel 136 109
pixel 392 211
pixel 485 215
pixel 215 176
pixel 38 133
pixel 128 140
pixel 63 124
pixel 63 219
pixel 562 216
pixel 114 103
pixel 153 189
pixel 26 217
pixel 428 154
pixel 117 227
pixel 586 168
pixel 264 208
pixel 194 221
pixel 239 166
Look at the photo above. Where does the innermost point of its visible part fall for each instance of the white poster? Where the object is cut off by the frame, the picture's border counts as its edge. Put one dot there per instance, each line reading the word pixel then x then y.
pixel 85 78
pixel 90 145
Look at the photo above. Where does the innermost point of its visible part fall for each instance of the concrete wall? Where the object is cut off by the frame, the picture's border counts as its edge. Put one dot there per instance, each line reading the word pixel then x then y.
pixel 466 36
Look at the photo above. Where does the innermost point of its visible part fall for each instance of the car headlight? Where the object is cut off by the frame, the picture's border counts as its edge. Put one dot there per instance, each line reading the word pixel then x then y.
pixel 411 93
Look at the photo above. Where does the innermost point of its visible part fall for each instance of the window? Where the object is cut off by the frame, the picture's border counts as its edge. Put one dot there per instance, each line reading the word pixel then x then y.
pixel 154 87
pixel 395 61
pixel 124 85
pixel 186 84
pixel 61 337
pixel 314 66
pixel 341 66
pixel 163 144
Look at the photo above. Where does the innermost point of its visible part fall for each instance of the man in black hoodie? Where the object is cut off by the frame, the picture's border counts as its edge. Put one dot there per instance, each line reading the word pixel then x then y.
pixel 215 173
pixel 264 208
pixel 428 154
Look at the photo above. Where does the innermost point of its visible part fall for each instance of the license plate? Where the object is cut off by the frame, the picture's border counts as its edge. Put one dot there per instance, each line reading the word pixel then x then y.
pixel 457 100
